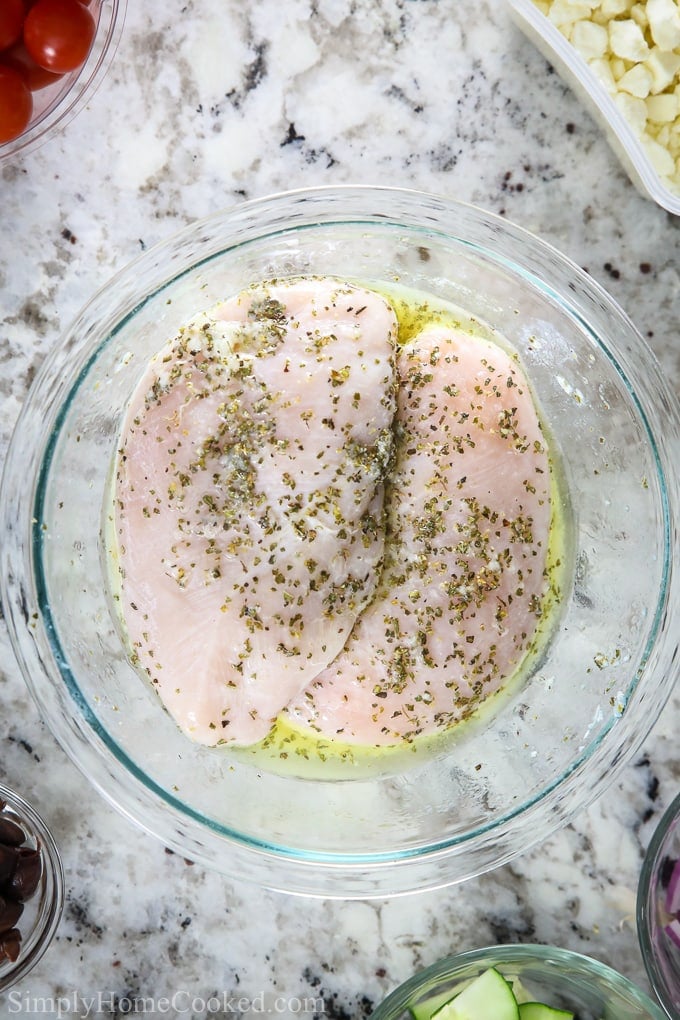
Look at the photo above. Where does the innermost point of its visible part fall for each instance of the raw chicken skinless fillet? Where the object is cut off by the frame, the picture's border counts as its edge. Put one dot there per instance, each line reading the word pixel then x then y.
pixel 463 583
pixel 249 499
pixel 315 524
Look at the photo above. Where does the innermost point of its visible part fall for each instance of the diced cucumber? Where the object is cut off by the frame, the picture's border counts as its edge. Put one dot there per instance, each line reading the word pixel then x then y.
pixel 539 1011
pixel 519 991
pixel 427 1009
pixel 488 997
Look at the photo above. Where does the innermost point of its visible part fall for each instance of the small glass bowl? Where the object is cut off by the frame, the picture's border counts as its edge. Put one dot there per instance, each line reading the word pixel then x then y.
pixel 660 954
pixel 574 70
pixel 551 744
pixel 557 977
pixel 42 911
pixel 57 104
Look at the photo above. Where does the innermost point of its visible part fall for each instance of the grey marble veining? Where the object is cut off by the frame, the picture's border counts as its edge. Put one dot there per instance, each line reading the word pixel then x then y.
pixel 208 103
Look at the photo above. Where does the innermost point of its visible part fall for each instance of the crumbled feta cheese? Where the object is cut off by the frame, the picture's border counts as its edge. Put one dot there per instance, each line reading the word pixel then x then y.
pixel 633 110
pixel 633 49
pixel 627 41
pixel 618 67
pixel 663 109
pixel 659 156
pixel 612 8
pixel 663 137
pixel 589 39
pixel 638 13
pixel 602 70
pixel 674 144
pixel 637 81
pixel 663 67
pixel 565 12
pixel 664 23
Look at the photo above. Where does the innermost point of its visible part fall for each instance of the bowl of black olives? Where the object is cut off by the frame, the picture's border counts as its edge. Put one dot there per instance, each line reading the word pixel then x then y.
pixel 31 887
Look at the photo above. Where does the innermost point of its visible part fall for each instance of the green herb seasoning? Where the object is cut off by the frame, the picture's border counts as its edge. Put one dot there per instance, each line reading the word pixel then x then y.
pixel 338 522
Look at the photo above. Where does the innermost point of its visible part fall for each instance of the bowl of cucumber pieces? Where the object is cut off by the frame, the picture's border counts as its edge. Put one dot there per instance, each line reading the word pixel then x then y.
pixel 519 982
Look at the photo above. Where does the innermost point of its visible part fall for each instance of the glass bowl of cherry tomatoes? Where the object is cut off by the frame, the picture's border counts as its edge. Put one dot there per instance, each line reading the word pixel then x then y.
pixel 53 55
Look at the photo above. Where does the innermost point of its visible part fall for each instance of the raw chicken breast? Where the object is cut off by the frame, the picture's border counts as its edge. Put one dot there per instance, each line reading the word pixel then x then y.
pixel 249 499
pixel 468 519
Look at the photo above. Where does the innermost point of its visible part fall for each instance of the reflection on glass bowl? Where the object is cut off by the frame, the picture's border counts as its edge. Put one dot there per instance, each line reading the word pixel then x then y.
pixel 549 747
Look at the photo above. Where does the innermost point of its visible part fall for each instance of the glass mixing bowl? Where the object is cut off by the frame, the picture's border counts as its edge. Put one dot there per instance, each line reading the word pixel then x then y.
pixel 660 954
pixel 557 977
pixel 57 104
pixel 549 747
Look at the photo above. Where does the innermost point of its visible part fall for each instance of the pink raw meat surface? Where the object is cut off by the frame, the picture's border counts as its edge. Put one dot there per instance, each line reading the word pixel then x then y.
pixel 464 576
pixel 249 499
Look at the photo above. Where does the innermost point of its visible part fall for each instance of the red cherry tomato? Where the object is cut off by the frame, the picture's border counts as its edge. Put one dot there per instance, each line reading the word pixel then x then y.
pixel 11 21
pixel 58 34
pixel 19 58
pixel 16 104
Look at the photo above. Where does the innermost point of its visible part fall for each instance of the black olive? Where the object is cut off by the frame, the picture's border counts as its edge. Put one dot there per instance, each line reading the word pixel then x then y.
pixel 11 834
pixel 8 860
pixel 20 873
pixel 24 881
pixel 10 912
pixel 10 944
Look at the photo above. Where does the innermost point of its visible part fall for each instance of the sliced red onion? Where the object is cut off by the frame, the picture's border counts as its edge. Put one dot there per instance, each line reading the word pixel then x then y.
pixel 673 931
pixel 673 891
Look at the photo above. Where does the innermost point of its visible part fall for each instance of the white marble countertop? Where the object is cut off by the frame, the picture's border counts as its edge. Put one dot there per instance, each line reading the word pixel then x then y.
pixel 207 103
